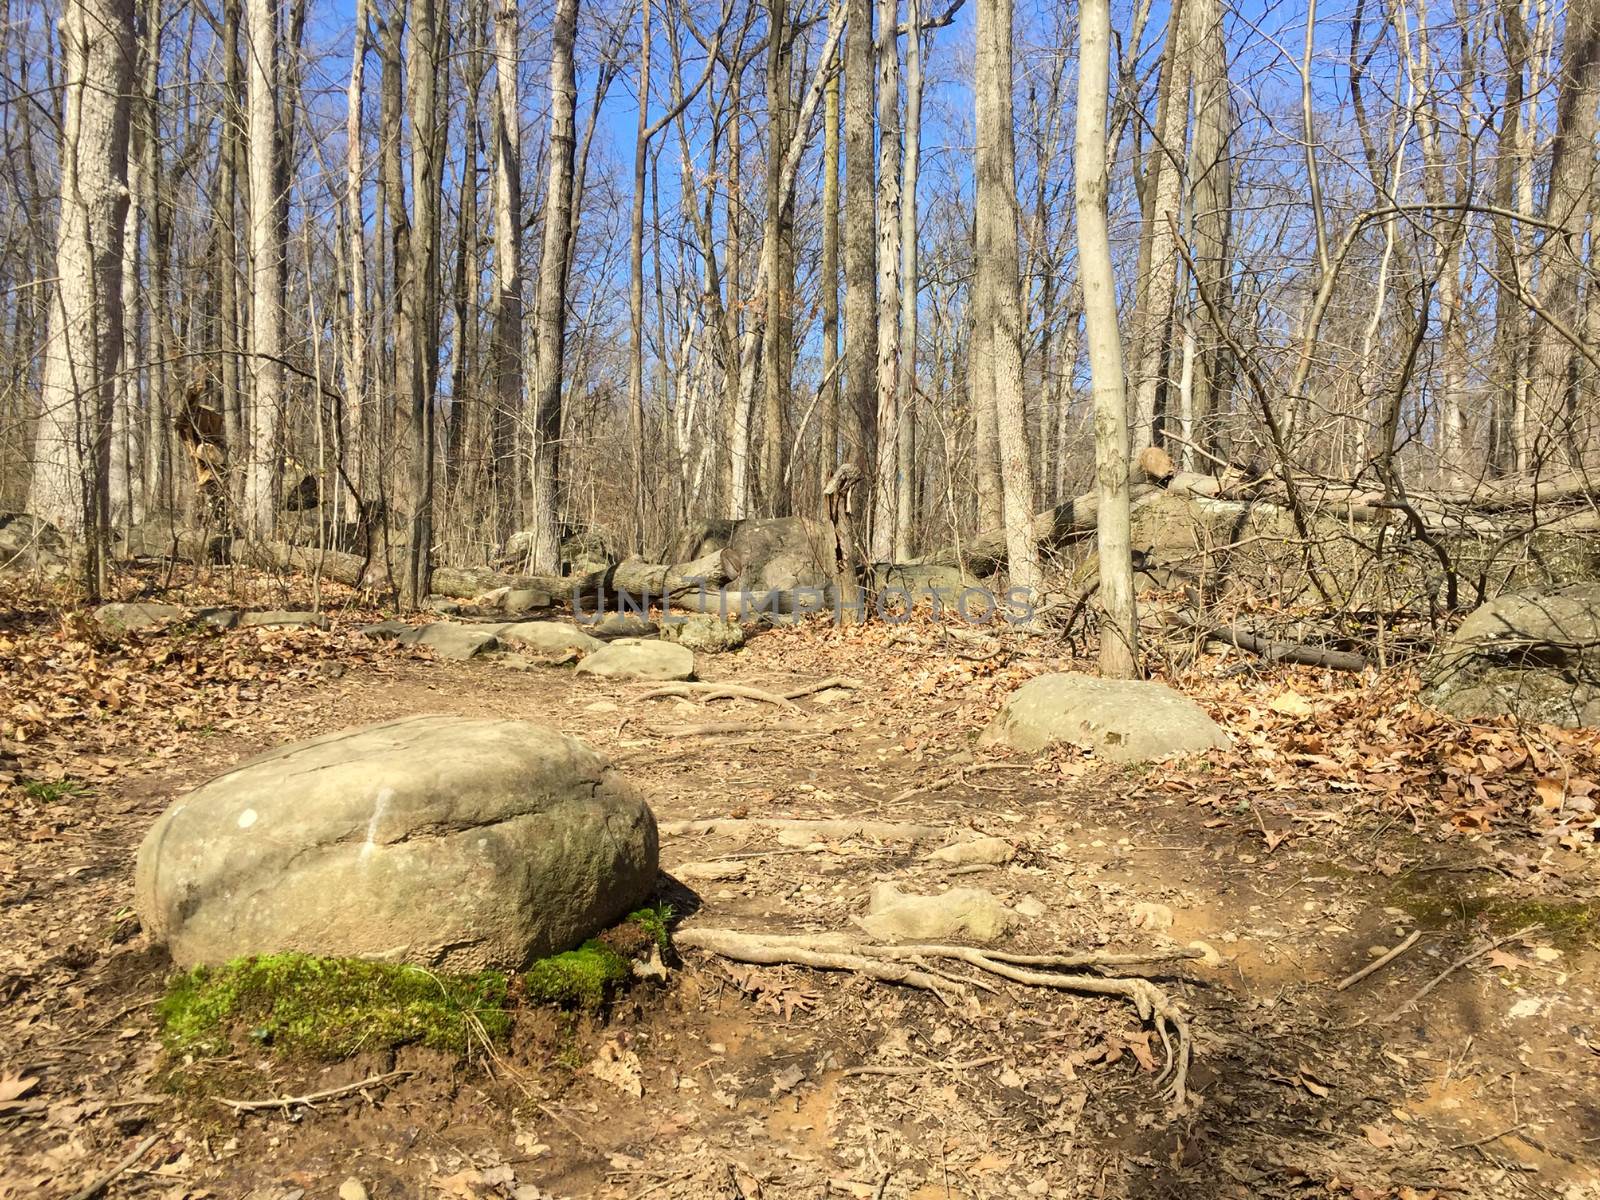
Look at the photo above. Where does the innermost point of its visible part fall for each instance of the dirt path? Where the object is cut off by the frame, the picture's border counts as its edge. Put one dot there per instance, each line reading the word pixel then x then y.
pixel 781 1081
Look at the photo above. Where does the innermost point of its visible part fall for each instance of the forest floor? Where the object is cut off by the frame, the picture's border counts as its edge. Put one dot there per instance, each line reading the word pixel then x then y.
pixel 1345 818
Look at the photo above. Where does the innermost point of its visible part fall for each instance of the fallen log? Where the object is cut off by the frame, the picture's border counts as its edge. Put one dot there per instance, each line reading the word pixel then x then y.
pixel 1277 651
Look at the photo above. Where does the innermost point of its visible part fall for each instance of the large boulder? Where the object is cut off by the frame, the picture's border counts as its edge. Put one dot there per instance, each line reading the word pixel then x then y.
pixel 630 658
pixel 1534 655
pixel 1121 720
pixel 450 842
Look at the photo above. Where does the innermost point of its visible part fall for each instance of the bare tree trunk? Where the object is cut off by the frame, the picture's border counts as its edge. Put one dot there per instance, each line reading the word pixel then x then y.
pixel 1160 288
pixel 997 263
pixel 266 269
pixel 1211 202
pixel 886 451
pixel 354 426
pixel 779 282
pixel 906 453
pixel 551 316
pixel 1510 342
pixel 229 326
pixel 641 145
pixel 72 439
pixel 507 268
pixel 1569 203
pixel 1118 624
pixel 830 280
pixel 422 65
pixel 860 298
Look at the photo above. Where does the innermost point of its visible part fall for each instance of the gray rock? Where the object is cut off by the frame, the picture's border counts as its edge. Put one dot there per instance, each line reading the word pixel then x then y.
pixel 1534 655
pixel 283 620
pixel 455 843
pixel 622 625
pixel 550 639
pixel 1121 720
pixel 125 618
pixel 385 631
pixel 704 633
pixel 969 914
pixel 28 544
pixel 218 618
pixel 631 658
pixel 521 600
pixel 457 642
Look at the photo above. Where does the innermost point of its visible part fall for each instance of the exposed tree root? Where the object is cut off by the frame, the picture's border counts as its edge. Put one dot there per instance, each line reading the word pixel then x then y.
pixel 733 691
pixel 882 831
pixel 840 952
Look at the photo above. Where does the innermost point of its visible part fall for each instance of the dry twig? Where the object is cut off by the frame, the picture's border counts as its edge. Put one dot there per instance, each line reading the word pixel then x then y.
pixel 288 1102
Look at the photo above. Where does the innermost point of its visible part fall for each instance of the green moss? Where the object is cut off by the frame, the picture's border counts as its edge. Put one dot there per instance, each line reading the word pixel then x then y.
pixel 1567 923
pixel 584 977
pixel 330 1007
pixel 657 922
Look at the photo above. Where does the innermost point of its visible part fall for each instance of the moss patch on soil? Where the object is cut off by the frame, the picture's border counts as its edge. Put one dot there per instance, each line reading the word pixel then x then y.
pixel 1567 923
pixel 330 1007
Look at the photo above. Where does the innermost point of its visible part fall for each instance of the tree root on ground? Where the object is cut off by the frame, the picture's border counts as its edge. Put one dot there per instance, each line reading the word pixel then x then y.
pixel 882 831
pixel 840 952
pixel 733 691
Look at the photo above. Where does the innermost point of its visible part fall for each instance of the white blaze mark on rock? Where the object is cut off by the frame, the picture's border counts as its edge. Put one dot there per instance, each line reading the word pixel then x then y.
pixel 371 846
pixel 247 818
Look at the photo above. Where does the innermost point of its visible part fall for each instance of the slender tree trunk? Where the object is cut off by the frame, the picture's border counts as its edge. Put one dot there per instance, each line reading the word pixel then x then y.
pixel 906 488
pixel 636 280
pixel 886 487
pixel 422 66
pixel 507 268
pixel 1118 625
pixel 997 260
pixel 550 319
pixel 860 298
pixel 1510 317
pixel 1568 205
pixel 830 280
pixel 1160 288
pixel 1211 202
pixel 266 269
pixel 779 282
pixel 230 334
pixel 354 425
pixel 72 438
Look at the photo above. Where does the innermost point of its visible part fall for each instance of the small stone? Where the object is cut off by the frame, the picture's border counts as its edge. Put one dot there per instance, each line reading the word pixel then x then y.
pixel 1208 953
pixel 127 618
pixel 353 1189
pixel 990 851
pixel 1377 951
pixel 893 915
pixel 1030 907
pixel 1151 916
pixel 385 631
pixel 698 871
pixel 283 620
pixel 218 618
